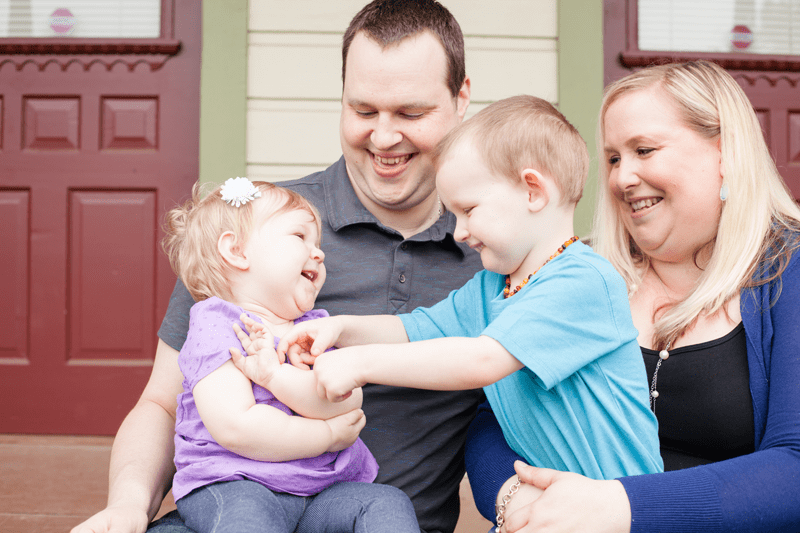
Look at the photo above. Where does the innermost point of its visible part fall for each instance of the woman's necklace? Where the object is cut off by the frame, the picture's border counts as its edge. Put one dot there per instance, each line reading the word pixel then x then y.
pixel 508 293
pixel 663 355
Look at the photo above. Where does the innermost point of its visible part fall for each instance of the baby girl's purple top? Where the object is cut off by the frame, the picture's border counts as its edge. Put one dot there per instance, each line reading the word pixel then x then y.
pixel 201 461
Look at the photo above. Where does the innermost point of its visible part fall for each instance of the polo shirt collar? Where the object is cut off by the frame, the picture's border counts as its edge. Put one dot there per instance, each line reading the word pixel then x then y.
pixel 345 209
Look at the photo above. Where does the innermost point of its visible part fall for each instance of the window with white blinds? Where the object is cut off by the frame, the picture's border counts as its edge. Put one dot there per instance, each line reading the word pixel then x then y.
pixel 720 26
pixel 80 18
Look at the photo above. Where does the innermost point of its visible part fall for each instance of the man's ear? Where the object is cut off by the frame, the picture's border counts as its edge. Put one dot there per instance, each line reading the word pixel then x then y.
pixel 462 99
pixel 536 185
pixel 232 251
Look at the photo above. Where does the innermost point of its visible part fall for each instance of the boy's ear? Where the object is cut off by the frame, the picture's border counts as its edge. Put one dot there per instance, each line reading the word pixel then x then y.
pixel 538 192
pixel 231 250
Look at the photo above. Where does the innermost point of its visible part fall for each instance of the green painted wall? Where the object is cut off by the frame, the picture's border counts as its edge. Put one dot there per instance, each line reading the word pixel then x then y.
pixel 223 90
pixel 580 84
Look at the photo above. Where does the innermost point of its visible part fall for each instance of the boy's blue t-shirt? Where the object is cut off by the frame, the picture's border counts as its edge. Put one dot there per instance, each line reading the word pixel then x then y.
pixel 581 404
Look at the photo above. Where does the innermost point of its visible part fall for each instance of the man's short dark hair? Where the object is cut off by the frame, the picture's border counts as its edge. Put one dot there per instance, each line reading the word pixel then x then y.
pixel 391 21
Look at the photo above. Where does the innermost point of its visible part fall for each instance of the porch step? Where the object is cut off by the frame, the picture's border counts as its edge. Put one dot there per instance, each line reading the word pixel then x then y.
pixel 49 484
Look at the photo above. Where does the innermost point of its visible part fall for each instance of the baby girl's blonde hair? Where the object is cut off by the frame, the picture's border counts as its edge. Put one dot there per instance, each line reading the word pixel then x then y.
pixel 193 229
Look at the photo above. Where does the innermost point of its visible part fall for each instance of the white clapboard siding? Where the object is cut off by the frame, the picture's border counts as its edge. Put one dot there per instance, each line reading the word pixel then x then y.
pixel 294 72
pixel 294 66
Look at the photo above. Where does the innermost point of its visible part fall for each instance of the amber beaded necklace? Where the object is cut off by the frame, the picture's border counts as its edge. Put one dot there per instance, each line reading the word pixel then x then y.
pixel 508 293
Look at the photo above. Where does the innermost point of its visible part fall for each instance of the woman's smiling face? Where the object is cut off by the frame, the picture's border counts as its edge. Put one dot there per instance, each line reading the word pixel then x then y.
pixel 664 177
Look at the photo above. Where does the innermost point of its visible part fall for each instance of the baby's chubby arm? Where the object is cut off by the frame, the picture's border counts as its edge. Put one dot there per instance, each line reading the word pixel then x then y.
pixel 226 404
pixel 307 340
pixel 450 363
pixel 294 387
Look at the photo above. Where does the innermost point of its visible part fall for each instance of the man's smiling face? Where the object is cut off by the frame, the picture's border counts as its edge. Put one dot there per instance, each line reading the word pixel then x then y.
pixel 396 107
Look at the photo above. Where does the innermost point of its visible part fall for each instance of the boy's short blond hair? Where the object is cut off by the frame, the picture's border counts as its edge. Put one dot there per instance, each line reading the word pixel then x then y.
pixel 525 132
pixel 193 229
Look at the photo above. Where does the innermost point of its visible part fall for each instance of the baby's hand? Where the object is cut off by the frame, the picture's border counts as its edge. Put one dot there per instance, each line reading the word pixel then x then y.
pixel 257 331
pixel 345 429
pixel 307 340
pixel 338 374
pixel 262 362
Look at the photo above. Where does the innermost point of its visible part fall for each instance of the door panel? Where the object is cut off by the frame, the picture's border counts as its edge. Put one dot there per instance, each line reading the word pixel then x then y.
pixel 14 270
pixel 112 247
pixel 96 144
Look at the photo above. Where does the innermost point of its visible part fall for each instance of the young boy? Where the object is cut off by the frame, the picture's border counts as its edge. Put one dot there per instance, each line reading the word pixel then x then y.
pixel 545 329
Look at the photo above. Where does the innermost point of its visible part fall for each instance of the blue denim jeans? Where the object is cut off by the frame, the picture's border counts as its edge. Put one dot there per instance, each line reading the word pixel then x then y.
pixel 247 506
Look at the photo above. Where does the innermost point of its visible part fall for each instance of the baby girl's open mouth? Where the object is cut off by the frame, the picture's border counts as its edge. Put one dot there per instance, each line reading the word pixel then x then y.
pixel 644 204
pixel 310 275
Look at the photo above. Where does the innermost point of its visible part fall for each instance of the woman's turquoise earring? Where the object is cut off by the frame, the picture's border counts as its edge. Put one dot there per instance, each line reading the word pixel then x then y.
pixel 724 192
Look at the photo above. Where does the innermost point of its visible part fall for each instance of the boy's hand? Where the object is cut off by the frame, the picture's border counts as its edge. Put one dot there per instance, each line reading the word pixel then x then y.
pixel 345 429
pixel 307 340
pixel 262 362
pixel 338 373
pixel 300 354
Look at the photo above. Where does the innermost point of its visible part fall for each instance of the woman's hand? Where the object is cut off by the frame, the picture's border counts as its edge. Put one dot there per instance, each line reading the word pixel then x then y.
pixel 524 496
pixel 570 503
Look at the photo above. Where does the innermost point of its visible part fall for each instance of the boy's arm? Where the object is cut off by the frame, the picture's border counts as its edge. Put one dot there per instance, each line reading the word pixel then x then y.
pixel 451 363
pixel 294 387
pixel 225 401
pixel 316 336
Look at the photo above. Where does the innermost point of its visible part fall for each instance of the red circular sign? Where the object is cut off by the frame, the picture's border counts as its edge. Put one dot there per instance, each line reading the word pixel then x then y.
pixel 62 21
pixel 741 36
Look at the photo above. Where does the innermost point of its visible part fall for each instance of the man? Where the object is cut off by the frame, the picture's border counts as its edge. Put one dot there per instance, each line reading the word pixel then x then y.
pixel 389 249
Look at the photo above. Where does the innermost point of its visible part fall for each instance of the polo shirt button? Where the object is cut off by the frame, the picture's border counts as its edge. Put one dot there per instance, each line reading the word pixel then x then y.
pixel 402 278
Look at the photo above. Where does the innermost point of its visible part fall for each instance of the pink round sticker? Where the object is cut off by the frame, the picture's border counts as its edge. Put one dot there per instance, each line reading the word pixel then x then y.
pixel 741 36
pixel 62 21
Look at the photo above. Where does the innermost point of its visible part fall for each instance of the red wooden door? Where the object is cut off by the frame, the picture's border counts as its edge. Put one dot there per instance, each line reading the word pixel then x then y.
pixel 97 139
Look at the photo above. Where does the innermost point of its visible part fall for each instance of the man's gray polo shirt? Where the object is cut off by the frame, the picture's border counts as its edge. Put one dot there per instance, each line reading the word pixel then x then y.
pixel 416 436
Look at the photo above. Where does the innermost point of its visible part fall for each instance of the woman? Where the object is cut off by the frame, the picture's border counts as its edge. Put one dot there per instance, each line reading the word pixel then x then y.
pixel 695 216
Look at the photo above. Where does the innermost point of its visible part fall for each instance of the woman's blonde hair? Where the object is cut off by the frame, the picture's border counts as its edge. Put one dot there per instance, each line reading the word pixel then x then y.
pixel 193 229
pixel 754 219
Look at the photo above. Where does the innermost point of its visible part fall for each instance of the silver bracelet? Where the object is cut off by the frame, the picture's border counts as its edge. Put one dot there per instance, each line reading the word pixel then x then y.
pixel 501 507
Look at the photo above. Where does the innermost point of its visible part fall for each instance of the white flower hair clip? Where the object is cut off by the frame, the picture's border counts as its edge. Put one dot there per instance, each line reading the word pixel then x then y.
pixel 239 191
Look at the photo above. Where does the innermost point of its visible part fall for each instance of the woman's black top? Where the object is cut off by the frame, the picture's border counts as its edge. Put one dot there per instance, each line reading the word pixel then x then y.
pixel 704 407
